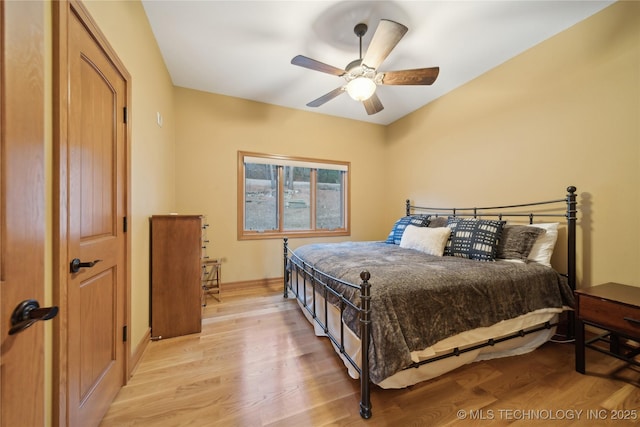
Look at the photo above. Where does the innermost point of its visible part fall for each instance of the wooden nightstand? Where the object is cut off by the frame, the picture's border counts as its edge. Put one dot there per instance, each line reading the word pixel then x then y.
pixel 614 308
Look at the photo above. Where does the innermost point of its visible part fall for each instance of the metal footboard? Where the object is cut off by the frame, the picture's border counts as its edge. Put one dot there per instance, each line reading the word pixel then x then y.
pixel 306 276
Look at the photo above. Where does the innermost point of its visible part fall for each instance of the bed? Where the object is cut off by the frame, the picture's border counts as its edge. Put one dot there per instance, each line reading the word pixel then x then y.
pixel 449 286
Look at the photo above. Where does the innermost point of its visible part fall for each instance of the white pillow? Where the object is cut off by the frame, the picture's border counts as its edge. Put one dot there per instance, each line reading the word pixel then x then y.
pixel 425 239
pixel 543 247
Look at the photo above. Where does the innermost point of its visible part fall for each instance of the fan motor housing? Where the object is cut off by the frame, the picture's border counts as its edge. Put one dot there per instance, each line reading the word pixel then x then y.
pixel 353 65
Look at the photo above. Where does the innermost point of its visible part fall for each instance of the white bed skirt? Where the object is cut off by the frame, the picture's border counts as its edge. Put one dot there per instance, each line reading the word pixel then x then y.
pixel 407 377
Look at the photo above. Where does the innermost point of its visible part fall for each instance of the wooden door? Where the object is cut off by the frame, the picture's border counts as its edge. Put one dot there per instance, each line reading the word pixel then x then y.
pixel 93 206
pixel 22 216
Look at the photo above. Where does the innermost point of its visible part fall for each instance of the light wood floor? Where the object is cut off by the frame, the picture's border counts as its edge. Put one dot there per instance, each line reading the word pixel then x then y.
pixel 256 364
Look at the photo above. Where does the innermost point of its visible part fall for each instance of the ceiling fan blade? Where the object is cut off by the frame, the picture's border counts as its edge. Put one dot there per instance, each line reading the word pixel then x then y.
pixel 386 37
pixel 373 104
pixel 419 76
pixel 312 64
pixel 326 97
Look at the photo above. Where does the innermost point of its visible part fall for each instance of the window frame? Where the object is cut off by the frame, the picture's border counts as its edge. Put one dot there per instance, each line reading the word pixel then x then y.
pixel 280 161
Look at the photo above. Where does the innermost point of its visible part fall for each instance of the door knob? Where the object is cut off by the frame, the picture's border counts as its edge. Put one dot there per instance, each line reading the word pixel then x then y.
pixel 76 264
pixel 27 313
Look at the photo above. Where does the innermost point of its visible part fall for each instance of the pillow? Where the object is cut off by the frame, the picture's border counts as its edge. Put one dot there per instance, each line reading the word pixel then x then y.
pixel 395 235
pixel 516 241
pixel 424 239
pixel 452 221
pixel 474 238
pixel 543 247
pixel 437 221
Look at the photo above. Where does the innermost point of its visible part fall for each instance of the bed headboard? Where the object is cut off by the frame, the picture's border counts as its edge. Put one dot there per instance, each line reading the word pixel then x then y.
pixel 532 212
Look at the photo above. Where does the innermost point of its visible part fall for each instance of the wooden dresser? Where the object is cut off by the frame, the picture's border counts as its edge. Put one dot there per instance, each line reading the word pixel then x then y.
pixel 176 270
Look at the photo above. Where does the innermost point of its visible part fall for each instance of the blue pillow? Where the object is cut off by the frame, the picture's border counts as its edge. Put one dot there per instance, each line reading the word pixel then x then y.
pixel 398 228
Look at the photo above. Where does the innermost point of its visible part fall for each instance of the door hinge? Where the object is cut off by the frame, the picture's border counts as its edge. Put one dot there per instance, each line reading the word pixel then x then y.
pixel 124 110
pixel 124 333
pixel 124 224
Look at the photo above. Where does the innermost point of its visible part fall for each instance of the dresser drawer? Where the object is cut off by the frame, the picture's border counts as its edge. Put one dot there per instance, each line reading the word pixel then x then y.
pixel 610 314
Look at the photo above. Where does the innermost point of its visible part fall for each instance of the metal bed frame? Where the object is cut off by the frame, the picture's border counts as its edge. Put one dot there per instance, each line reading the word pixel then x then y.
pixel 307 276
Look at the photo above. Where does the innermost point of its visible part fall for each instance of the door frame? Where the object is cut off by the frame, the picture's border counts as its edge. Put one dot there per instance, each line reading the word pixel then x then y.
pixel 61 11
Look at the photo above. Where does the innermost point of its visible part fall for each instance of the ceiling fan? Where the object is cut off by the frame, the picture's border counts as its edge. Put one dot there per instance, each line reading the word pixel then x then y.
pixel 362 75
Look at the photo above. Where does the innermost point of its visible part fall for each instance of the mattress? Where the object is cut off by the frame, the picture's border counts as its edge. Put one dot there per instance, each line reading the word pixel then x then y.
pixel 423 305
pixel 410 376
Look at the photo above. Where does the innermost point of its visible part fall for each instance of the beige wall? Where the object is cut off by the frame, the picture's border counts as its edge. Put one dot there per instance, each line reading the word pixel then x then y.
pixel 125 25
pixel 211 129
pixel 566 112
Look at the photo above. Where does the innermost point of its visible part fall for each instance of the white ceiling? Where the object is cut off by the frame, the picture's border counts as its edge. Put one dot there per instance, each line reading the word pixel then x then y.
pixel 244 48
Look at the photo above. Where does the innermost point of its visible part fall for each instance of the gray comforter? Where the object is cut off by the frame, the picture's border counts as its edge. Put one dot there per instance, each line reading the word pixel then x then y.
pixel 419 299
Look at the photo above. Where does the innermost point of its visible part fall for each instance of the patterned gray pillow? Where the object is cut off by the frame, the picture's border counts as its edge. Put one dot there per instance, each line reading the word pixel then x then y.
pixel 437 221
pixel 516 241
pixel 474 238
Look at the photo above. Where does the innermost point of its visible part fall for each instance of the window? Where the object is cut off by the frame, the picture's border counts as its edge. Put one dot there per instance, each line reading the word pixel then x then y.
pixel 287 196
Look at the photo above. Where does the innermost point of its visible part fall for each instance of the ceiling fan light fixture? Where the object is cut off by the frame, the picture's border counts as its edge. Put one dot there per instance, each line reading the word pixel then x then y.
pixel 361 88
pixel 362 75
